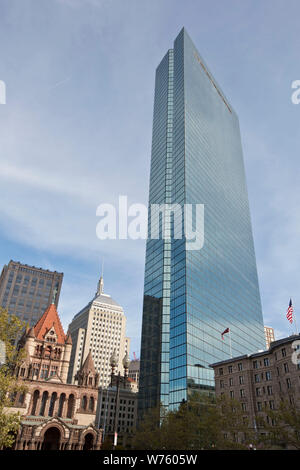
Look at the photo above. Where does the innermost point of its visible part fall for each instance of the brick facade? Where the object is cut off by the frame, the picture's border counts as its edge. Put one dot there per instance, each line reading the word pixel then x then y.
pixel 262 379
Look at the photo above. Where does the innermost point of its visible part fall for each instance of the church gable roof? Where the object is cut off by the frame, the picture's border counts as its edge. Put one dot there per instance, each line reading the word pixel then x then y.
pixel 88 365
pixel 50 319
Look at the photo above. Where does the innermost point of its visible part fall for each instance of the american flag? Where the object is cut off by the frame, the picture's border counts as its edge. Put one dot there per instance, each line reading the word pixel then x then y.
pixel 289 313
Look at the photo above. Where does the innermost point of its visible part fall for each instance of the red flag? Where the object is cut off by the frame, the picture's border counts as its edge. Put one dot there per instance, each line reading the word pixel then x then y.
pixel 225 331
pixel 289 313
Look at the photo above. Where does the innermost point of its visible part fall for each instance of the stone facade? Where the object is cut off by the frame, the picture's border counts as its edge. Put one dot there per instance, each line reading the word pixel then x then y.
pixel 54 414
pixel 261 380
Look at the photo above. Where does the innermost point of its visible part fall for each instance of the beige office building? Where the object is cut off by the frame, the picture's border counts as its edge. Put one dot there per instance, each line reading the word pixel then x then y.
pixel 26 291
pixel 269 334
pixel 100 328
pixel 134 371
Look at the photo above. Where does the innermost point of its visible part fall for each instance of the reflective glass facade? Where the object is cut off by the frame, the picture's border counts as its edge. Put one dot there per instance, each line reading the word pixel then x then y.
pixel 192 296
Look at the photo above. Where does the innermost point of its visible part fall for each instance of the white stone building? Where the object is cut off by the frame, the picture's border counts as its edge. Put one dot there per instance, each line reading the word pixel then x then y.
pixel 100 328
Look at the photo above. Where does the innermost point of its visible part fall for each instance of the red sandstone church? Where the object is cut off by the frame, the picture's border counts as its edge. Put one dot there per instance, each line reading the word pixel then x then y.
pixel 54 414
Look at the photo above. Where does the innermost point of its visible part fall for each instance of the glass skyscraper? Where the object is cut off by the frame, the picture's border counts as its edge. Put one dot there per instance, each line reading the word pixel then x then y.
pixel 192 296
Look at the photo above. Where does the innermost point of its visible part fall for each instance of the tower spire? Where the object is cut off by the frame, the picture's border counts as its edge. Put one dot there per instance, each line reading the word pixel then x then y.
pixel 100 282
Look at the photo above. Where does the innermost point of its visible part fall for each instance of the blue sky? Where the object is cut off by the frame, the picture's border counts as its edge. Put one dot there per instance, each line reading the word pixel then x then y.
pixel 76 132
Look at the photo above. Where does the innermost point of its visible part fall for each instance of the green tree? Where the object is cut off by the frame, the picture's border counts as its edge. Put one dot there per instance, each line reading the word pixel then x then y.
pixel 235 429
pixel 10 329
pixel 200 423
pixel 280 427
pixel 149 434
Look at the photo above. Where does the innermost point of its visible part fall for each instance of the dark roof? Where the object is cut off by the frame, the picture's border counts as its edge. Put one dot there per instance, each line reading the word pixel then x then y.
pixel 88 365
pixel 279 342
pixel 273 345
pixel 69 339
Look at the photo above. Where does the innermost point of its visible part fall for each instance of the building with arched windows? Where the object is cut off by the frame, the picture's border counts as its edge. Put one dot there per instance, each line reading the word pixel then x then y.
pixel 55 414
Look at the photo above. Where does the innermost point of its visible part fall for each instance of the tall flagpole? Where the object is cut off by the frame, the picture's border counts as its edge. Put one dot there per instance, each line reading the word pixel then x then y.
pixel 230 347
pixel 291 316
pixel 297 332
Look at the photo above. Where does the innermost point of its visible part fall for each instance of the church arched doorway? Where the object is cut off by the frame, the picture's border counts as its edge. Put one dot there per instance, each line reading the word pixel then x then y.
pixel 88 442
pixel 51 439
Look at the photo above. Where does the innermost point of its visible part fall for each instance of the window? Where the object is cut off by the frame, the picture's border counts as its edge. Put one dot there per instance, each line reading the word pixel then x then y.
pixel 231 382
pixel 255 365
pixel 286 367
pixel 266 362
pixel 44 371
pixel 62 399
pixel 268 375
pixel 36 396
pixel 240 366
pixel 43 403
pixel 288 383
pixel 257 378
pixel 259 406
pixel 91 404
pixel 230 369
pixel 221 371
pixel 53 370
pixel 84 402
pixel 269 390
pixel 231 394
pixel 283 352
pixel 241 379
pixel 52 403
pixel 242 393
pixel 21 398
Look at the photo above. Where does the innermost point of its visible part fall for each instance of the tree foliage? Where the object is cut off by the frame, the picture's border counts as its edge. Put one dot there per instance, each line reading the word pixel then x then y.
pixel 10 329
pixel 201 423
pixel 208 423
pixel 280 428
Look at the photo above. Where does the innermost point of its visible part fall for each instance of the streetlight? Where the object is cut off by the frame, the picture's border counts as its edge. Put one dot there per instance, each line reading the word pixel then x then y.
pixel 113 363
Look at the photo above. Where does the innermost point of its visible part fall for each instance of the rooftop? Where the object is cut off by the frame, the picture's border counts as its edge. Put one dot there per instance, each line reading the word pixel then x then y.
pixel 273 345
pixel 102 299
